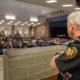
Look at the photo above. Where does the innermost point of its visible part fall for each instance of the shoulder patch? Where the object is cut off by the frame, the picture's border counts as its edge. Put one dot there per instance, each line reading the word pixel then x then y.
pixel 71 51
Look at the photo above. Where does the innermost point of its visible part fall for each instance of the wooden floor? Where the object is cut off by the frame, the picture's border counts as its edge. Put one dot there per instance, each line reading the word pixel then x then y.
pixel 54 77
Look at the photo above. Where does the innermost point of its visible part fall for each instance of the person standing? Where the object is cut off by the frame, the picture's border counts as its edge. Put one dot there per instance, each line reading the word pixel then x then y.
pixel 68 62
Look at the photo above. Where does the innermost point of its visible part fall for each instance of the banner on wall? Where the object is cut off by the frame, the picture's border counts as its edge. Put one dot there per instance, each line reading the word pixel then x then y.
pixel 43 30
pixel 32 32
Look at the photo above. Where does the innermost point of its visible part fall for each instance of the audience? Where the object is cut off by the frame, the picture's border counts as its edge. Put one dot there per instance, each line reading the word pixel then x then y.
pixel 8 42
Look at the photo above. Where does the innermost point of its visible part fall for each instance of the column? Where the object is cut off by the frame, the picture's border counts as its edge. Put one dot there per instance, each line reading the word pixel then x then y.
pixel 13 30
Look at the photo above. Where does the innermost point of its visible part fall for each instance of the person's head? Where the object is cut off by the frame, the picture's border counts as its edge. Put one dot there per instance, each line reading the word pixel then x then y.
pixel 15 40
pixel 2 41
pixel 73 24
pixel 20 44
pixel 10 44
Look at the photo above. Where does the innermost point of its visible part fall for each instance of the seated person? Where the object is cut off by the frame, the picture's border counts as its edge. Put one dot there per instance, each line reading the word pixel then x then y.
pixel 20 45
pixel 30 44
pixel 9 44
pixel 15 43
pixel 2 46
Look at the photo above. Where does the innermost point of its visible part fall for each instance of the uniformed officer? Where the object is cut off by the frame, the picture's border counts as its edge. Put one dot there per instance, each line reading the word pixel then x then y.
pixel 68 62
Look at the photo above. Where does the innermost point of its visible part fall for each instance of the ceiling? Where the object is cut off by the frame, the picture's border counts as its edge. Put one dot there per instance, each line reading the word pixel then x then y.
pixel 56 5
pixel 24 9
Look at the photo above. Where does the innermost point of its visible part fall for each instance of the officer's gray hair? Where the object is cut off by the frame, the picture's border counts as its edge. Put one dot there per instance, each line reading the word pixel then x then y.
pixel 75 17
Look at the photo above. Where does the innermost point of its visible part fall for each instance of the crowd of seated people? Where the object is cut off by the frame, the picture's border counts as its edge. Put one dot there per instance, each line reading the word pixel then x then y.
pixel 8 42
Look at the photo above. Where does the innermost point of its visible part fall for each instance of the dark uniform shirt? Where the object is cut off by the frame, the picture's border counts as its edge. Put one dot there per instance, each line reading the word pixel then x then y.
pixel 69 62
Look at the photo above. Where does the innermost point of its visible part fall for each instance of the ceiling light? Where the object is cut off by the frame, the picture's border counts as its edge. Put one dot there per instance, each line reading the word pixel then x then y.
pixel 77 8
pixel 19 22
pixel 51 1
pixel 10 17
pixel 11 21
pixel 22 24
pixel 8 23
pixel 25 22
pixel 2 27
pixel 38 23
pixel 2 21
pixel 32 23
pixel 34 19
pixel 15 24
pixel 67 5
pixel 29 24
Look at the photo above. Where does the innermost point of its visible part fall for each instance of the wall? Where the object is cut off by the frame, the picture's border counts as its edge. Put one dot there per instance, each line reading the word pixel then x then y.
pixel 29 64
pixel 24 31
pixel 42 30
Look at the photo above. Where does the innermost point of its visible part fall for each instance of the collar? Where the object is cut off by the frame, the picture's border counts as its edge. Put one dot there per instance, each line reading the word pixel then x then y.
pixel 78 38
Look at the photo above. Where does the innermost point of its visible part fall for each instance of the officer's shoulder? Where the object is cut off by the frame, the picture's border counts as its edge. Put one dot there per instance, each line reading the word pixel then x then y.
pixel 76 42
pixel 73 48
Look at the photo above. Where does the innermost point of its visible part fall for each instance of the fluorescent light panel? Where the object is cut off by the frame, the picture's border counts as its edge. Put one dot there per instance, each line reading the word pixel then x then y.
pixel 2 21
pixel 32 23
pixel 22 24
pixel 29 24
pixel 51 1
pixel 77 8
pixel 15 24
pixel 11 21
pixel 2 27
pixel 34 19
pixel 10 17
pixel 8 23
pixel 38 23
pixel 25 22
pixel 19 22
pixel 67 5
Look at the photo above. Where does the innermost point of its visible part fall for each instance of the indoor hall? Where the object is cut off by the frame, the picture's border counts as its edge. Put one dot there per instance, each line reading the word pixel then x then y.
pixel 31 31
